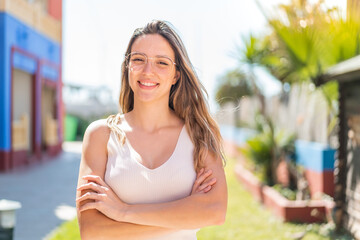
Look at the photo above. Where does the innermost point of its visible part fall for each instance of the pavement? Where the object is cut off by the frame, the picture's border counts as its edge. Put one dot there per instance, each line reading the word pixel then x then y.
pixel 46 192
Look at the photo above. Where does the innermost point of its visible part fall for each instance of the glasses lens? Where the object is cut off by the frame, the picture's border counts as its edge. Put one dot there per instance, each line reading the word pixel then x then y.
pixel 137 61
pixel 162 65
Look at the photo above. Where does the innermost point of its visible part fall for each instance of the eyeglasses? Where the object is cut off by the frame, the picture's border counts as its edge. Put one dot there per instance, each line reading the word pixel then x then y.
pixel 161 64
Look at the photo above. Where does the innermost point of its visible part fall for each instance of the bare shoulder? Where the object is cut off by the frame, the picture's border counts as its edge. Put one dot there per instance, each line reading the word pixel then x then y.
pixel 94 149
pixel 94 152
pixel 97 131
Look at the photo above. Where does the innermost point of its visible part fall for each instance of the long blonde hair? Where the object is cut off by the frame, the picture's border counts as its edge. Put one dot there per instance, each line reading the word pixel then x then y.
pixel 186 97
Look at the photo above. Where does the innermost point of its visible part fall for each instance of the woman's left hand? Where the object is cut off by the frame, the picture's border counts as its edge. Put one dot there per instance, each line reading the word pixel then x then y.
pixel 104 198
pixel 203 182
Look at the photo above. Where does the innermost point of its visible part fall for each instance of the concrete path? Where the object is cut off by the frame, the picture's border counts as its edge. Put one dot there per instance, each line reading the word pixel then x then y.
pixel 46 191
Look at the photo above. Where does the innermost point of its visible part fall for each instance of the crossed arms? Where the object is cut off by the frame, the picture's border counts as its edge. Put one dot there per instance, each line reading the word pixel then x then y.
pixel 102 214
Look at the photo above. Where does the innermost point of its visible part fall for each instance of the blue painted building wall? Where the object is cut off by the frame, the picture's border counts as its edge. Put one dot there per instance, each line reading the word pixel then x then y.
pixel 13 32
pixel 315 156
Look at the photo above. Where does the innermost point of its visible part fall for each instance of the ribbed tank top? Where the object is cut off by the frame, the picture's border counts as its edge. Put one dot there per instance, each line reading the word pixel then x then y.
pixel 136 184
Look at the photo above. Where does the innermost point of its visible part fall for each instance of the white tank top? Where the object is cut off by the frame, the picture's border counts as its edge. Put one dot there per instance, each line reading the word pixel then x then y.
pixel 136 184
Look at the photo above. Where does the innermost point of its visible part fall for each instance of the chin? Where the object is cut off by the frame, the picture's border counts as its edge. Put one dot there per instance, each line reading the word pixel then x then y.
pixel 151 98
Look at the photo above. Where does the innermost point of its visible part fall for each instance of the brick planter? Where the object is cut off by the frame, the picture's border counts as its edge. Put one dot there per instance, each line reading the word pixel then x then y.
pixel 250 182
pixel 294 211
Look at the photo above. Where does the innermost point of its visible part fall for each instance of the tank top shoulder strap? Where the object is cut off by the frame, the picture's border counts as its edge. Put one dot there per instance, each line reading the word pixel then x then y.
pixel 114 144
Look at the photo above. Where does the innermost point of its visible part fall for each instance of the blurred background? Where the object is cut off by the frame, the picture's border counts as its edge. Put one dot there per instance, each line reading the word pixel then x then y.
pixel 282 83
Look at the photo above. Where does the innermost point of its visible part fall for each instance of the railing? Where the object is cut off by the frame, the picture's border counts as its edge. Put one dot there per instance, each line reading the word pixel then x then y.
pixel 20 138
pixel 33 15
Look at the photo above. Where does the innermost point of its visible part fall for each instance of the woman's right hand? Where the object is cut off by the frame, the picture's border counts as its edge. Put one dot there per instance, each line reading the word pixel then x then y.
pixel 203 182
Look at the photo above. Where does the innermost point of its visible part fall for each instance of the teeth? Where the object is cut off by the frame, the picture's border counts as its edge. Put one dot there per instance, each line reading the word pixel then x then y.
pixel 148 84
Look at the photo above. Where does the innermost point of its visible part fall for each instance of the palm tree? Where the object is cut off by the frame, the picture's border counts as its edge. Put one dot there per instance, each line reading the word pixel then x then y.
pixel 306 40
pixel 249 57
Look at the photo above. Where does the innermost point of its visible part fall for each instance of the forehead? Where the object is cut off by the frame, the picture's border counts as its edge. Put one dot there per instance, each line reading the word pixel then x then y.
pixel 153 45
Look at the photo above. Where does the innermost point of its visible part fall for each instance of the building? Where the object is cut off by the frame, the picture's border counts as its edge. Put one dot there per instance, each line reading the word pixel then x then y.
pixel 353 9
pixel 31 108
pixel 347 173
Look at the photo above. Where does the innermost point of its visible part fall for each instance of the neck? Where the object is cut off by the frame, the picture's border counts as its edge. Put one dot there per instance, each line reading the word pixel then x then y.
pixel 150 116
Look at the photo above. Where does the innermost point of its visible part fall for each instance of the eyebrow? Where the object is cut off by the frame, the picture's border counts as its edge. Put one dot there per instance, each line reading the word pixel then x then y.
pixel 155 56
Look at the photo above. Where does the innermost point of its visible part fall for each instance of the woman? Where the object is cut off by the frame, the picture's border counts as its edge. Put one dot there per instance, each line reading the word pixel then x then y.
pixel 156 170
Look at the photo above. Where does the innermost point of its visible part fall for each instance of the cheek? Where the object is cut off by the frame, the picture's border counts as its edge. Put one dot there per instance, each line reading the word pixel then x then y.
pixel 132 77
pixel 131 82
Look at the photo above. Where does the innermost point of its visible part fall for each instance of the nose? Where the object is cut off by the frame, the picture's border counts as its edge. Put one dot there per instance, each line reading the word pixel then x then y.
pixel 148 67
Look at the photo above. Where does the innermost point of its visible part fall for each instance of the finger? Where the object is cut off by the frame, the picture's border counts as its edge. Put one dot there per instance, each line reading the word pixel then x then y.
pixel 208 183
pixel 92 186
pixel 88 196
pixel 211 182
pixel 200 172
pixel 89 186
pixel 201 179
pixel 207 189
pixel 203 176
pixel 94 178
pixel 197 183
pixel 90 205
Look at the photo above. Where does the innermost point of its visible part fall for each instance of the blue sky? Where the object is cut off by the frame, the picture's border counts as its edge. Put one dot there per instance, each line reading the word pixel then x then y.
pixel 96 33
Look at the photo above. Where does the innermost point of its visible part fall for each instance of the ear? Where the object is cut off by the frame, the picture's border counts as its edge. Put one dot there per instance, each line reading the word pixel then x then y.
pixel 176 77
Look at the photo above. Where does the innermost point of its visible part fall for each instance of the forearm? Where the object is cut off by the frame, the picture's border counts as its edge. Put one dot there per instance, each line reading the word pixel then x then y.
pixel 195 211
pixel 192 212
pixel 94 225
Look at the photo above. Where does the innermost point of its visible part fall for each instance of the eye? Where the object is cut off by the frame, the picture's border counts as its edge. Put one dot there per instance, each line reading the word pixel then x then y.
pixel 137 59
pixel 163 62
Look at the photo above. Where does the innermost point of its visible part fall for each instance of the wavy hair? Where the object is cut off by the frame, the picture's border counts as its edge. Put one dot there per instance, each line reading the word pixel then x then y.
pixel 186 98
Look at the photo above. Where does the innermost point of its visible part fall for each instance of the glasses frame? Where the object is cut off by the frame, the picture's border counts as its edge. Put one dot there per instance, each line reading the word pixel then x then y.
pixel 127 61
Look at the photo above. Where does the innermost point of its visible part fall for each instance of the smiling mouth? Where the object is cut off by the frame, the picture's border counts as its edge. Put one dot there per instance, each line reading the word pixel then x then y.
pixel 148 84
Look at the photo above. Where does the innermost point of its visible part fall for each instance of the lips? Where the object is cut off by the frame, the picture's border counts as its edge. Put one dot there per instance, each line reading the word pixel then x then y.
pixel 147 85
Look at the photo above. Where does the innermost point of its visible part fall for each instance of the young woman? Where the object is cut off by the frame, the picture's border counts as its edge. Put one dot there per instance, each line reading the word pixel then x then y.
pixel 155 171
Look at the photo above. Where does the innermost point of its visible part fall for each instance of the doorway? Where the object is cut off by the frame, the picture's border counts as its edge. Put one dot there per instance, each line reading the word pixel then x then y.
pixel 49 126
pixel 23 114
